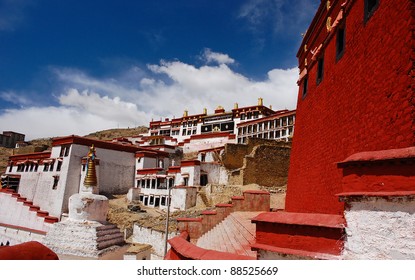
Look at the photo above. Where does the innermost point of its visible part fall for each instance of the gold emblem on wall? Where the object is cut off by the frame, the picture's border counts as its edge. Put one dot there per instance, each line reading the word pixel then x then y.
pixel 328 24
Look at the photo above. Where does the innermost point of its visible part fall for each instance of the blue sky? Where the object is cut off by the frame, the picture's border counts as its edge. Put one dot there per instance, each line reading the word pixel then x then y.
pixel 73 67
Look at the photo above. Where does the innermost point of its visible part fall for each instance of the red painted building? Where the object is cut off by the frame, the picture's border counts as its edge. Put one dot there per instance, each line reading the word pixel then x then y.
pixel 363 100
pixel 356 94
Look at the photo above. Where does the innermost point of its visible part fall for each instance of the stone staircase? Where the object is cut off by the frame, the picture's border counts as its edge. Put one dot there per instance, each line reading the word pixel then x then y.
pixel 16 211
pixel 235 234
pixel 109 235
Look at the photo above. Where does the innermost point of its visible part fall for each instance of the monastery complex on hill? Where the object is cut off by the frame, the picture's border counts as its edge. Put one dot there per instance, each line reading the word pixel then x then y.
pixel 351 177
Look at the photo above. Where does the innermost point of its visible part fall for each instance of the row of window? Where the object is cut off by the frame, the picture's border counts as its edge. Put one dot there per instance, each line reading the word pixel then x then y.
pixel 155 183
pixel 266 125
pixel 369 8
pixel 269 135
pixel 250 115
pixel 34 167
pixel 189 131
pixel 155 201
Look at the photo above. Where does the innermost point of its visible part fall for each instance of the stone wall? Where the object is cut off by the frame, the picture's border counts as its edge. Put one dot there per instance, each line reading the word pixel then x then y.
pixel 263 162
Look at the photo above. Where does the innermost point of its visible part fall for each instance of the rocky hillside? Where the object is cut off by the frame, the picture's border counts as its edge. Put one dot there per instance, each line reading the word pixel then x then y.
pixel 110 134
pixel 42 144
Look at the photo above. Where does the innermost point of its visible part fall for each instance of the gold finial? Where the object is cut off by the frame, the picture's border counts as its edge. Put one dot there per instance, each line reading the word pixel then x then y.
pixel 204 111
pixel 186 113
pixel 91 174
pixel 260 101
pixel 235 106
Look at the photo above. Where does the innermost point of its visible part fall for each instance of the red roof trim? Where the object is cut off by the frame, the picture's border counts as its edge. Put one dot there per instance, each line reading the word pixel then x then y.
pixel 41 232
pixel 272 117
pixel 305 219
pixel 32 156
pixel 174 169
pixel 145 171
pixel 186 163
pixel 383 155
pixel 74 139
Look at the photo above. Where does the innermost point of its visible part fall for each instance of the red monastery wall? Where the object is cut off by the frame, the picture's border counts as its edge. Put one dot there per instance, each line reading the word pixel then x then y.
pixel 365 101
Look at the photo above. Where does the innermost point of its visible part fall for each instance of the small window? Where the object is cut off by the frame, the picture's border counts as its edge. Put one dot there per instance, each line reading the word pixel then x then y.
pixel 11 167
pixel 242 117
pixel 58 168
pixel 340 43
pixel 45 167
pixel 320 70
pixel 55 182
pixel 370 8
pixel 305 86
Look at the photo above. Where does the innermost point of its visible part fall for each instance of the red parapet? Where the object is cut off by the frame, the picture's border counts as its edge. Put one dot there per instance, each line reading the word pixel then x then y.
pixel 34 208
pixel 41 213
pixel 51 220
pixel 181 249
pixel 314 233
pixel 27 251
pixel 385 171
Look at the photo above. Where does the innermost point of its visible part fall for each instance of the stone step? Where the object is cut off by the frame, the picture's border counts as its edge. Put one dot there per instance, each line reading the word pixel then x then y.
pixel 110 236
pixel 246 231
pixel 108 232
pixel 105 244
pixel 106 227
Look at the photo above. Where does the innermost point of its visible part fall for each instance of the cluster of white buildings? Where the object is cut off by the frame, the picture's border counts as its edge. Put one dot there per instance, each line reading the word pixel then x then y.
pixel 145 166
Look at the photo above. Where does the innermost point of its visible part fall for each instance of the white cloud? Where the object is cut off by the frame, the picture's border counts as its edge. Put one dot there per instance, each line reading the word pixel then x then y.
pixel 86 104
pixel 15 98
pixel 220 58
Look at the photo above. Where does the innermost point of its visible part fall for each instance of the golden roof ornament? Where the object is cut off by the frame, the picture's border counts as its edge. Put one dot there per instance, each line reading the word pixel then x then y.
pixel 91 174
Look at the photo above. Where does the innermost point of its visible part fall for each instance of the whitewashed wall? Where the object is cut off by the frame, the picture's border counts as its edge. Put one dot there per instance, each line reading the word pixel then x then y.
pixel 194 174
pixel 379 228
pixel 183 198
pixel 217 174
pixel 152 237
pixel 206 143
pixel 17 236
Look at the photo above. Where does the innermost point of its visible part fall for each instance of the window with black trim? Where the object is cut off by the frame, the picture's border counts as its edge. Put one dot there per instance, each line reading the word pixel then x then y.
pixel 55 182
pixel 370 8
pixel 305 86
pixel 340 42
pixel 320 69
